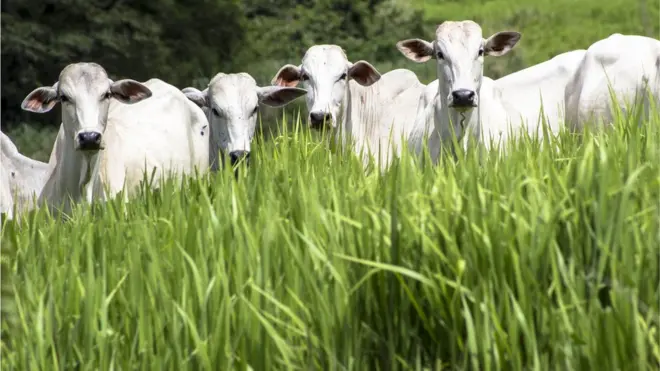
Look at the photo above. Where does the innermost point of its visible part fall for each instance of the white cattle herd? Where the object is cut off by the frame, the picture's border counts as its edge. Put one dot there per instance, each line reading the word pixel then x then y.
pixel 113 133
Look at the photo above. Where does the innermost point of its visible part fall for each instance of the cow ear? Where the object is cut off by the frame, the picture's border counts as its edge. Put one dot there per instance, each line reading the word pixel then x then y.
pixel 278 96
pixel 501 43
pixel 196 96
pixel 288 75
pixel 364 73
pixel 41 99
pixel 129 91
pixel 417 50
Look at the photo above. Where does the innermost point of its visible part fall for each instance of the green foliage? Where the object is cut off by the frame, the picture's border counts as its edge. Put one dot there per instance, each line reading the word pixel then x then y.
pixel 539 260
pixel 280 32
pixel 32 142
pixel 173 40
pixel 543 259
pixel 8 312
pixel 187 42
pixel 183 42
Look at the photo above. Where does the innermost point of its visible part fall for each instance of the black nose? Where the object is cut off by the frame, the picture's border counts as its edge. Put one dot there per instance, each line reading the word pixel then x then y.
pixel 236 156
pixel 463 97
pixel 89 140
pixel 317 119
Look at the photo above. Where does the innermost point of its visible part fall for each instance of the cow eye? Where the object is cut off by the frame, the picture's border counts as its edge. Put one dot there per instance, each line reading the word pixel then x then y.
pixel 304 77
pixel 342 77
pixel 440 55
pixel 481 51
pixel 64 98
pixel 107 95
pixel 215 111
pixel 254 111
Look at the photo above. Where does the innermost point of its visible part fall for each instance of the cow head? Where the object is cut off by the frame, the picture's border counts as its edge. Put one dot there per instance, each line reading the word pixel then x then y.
pixel 459 50
pixel 231 102
pixel 84 90
pixel 324 72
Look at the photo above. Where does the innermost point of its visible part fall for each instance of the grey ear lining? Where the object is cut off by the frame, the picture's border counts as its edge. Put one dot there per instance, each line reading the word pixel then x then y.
pixel 265 95
pixel 56 87
pixel 194 91
pixel 205 93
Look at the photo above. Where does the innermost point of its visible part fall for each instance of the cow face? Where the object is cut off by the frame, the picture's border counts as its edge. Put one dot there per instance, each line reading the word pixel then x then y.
pixel 459 50
pixel 324 72
pixel 231 103
pixel 84 90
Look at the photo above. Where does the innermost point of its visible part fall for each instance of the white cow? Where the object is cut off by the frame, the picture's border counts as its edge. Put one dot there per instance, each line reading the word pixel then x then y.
pixel 22 178
pixel 540 88
pixel 470 103
pixel 6 197
pixel 105 144
pixel 231 103
pixel 423 129
pixel 627 66
pixel 371 112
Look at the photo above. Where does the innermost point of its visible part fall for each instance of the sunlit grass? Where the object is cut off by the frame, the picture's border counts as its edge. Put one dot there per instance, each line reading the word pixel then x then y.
pixel 538 260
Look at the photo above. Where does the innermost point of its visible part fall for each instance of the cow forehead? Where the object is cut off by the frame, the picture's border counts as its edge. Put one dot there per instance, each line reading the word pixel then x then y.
pixel 326 58
pixel 459 32
pixel 84 78
pixel 227 89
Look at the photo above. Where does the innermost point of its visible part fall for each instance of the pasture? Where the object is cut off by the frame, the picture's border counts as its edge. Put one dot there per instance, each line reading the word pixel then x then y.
pixel 547 258
pixel 539 260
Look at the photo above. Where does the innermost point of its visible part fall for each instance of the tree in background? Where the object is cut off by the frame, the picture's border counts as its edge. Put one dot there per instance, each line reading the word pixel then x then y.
pixel 182 42
pixel 280 31
pixel 174 40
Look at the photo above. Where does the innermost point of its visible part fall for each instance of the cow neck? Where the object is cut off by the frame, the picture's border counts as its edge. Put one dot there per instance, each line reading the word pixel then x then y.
pixel 74 176
pixel 344 130
pixel 216 157
pixel 89 175
pixel 465 122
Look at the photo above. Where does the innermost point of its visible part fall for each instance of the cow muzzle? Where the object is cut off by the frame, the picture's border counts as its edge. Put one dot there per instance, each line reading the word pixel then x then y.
pixel 463 99
pixel 236 156
pixel 89 141
pixel 318 120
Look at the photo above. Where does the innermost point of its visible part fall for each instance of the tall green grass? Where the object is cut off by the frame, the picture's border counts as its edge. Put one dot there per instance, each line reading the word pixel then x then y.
pixel 544 260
